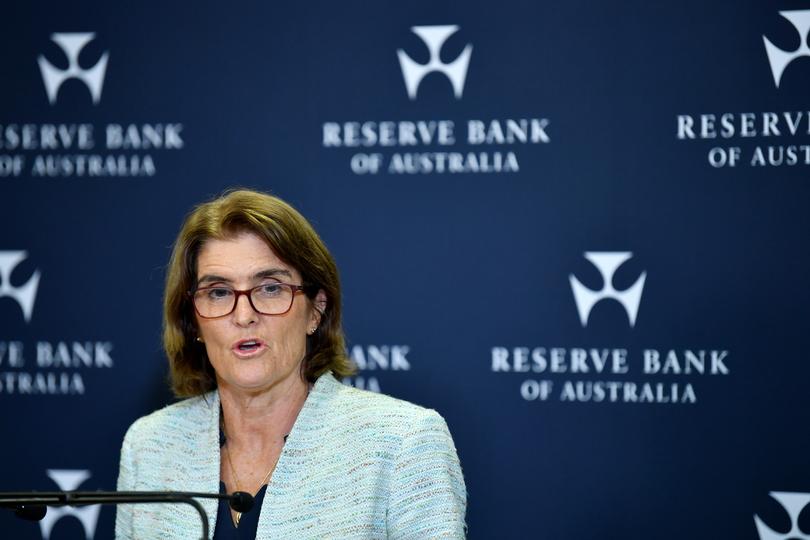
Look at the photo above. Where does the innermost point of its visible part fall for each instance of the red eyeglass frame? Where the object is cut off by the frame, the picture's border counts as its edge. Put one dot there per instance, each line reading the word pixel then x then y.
pixel 247 292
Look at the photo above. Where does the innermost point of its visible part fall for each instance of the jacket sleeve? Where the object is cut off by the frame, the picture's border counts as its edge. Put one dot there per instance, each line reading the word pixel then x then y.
pixel 428 498
pixel 127 476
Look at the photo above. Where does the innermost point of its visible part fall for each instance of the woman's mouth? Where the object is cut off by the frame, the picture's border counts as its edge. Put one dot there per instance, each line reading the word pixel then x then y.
pixel 245 348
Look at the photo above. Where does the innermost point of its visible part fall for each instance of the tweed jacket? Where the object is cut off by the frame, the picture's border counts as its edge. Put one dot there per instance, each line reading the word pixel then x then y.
pixel 356 465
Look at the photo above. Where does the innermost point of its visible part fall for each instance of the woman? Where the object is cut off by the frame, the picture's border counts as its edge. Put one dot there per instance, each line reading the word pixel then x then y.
pixel 253 334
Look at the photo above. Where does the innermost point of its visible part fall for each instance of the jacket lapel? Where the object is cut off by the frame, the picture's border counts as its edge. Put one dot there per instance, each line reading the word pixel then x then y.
pixel 304 439
pixel 203 457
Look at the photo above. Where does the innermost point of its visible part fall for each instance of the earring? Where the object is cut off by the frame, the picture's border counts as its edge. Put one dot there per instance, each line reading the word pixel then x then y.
pixel 199 339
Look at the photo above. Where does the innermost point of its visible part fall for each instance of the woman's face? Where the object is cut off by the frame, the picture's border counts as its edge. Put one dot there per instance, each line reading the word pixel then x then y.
pixel 250 351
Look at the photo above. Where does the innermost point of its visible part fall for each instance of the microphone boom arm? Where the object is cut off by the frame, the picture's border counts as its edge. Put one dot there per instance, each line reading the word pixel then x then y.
pixel 19 500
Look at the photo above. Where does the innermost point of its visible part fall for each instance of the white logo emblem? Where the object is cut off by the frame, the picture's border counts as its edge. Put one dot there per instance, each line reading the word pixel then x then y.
pixel 779 59
pixel 607 263
pixel 434 37
pixel 87 515
pixel 25 294
pixel 72 44
pixel 793 503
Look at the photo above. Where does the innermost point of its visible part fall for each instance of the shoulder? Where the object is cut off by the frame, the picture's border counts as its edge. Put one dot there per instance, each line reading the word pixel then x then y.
pixel 373 420
pixel 418 463
pixel 348 403
pixel 172 421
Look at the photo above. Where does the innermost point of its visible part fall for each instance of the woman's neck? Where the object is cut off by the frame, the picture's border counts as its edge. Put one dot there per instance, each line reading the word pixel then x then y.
pixel 256 419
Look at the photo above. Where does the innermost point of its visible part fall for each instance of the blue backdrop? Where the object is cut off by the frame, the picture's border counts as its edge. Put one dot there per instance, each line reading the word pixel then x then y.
pixel 578 230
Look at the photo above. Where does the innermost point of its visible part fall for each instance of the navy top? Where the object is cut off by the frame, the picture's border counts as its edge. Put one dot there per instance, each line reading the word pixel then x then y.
pixel 226 530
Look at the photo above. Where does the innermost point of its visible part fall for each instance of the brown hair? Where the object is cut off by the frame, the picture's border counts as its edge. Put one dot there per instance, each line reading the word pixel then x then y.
pixel 293 240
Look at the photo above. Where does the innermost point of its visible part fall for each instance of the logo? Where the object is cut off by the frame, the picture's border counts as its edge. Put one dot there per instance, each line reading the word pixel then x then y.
pixel 779 59
pixel 607 263
pixel 793 503
pixel 41 366
pixel 434 37
pixel 25 294
pixel 72 44
pixel 439 145
pixel 769 138
pixel 81 148
pixel 69 480
pixel 611 373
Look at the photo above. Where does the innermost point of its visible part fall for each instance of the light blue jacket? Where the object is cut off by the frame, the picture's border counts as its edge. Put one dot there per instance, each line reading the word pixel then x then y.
pixel 356 465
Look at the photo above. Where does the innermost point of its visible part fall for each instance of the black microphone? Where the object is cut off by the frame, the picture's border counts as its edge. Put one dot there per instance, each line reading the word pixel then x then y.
pixel 241 501
pixel 30 512
pixel 32 505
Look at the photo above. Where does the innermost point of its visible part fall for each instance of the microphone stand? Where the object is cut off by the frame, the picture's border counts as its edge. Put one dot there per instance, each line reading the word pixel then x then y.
pixel 31 505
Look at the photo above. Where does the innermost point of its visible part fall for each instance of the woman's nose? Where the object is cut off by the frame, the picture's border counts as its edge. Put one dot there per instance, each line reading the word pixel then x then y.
pixel 244 314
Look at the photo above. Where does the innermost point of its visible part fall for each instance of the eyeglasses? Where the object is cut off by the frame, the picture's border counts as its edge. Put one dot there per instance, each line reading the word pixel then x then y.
pixel 267 299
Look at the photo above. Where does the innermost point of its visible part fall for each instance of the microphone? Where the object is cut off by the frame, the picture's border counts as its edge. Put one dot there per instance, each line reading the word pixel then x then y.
pixel 31 506
pixel 241 501
pixel 30 512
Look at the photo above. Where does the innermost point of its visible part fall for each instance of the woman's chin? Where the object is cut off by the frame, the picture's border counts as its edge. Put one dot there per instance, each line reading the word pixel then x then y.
pixel 250 382
pixel 255 376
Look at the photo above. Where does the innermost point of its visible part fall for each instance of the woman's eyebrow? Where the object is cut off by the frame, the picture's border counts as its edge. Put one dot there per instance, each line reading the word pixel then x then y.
pixel 272 272
pixel 211 278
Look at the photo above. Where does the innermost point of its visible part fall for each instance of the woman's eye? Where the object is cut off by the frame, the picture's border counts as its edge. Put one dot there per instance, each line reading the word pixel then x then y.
pixel 270 289
pixel 219 293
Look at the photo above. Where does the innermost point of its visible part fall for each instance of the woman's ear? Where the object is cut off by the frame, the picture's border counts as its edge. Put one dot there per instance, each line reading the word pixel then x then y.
pixel 319 303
